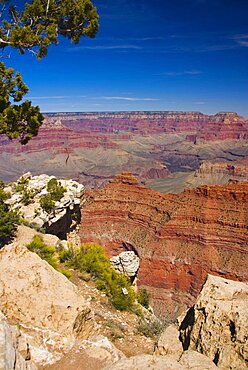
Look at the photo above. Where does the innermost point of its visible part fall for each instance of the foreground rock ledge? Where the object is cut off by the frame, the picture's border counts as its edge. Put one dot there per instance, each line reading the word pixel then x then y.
pixel 43 302
pixel 217 325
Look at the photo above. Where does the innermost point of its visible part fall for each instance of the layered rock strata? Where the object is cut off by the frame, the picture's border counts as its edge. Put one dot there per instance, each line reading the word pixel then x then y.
pixel 93 147
pixel 179 238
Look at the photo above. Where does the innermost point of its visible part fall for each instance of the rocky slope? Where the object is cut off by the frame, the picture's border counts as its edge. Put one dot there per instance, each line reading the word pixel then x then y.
pixel 44 304
pixel 179 238
pixel 156 146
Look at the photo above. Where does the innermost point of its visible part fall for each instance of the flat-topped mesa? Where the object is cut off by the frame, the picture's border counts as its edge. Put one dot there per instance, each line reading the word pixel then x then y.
pixel 178 237
pixel 227 117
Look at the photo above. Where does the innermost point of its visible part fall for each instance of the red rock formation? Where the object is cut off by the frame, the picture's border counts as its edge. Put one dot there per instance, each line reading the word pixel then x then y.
pixel 221 126
pixel 179 238
pixel 237 170
pixel 96 146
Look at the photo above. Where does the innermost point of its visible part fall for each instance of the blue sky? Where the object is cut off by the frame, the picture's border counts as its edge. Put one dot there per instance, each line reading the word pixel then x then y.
pixel 149 55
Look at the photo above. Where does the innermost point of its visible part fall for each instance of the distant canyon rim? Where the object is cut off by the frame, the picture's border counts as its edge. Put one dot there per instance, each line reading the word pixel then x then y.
pixel 167 151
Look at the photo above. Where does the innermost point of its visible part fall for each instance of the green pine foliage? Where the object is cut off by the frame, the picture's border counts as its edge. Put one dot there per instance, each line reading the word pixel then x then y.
pixel 20 120
pixel 90 258
pixel 8 219
pixel 55 193
pixel 33 27
pixel 55 189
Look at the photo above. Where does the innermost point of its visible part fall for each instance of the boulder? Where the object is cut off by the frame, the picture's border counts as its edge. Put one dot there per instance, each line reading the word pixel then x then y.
pixel 43 303
pixel 169 343
pixel 217 325
pixel 25 234
pixel 194 361
pixel 147 362
pixel 126 262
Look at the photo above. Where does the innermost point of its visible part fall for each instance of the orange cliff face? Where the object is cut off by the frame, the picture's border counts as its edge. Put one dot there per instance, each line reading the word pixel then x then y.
pixel 179 238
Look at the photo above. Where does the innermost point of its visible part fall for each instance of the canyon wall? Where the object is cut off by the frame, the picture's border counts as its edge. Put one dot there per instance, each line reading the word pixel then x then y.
pixel 156 146
pixel 178 237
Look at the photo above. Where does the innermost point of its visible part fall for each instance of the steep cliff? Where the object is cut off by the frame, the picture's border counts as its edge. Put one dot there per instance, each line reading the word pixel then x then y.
pixel 179 238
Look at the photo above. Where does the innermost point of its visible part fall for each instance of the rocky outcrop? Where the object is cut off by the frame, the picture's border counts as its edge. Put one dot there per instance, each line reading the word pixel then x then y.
pixel 178 238
pixel 26 195
pixel 126 263
pixel 211 335
pixel 10 357
pixel 44 304
pixel 217 325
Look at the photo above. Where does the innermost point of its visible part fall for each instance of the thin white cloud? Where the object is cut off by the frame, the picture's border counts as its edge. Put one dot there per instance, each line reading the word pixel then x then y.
pixel 55 97
pixel 243 43
pixel 193 72
pixel 106 47
pixel 241 39
pixel 126 98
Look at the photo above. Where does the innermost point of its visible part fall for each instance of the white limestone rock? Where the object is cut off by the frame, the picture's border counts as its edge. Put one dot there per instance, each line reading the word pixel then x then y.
pixel 126 262
pixel 33 213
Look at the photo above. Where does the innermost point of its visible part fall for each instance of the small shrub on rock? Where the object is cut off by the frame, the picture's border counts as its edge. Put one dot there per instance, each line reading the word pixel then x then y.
pixel 27 196
pixel 8 219
pixel 91 259
pixel 55 189
pixel 46 253
pixel 47 203
pixel 150 328
pixel 143 298
pixel 55 193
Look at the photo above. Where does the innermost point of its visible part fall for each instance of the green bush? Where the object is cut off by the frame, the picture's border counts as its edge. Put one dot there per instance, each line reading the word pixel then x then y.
pixel 55 189
pixel 151 328
pixel 8 219
pixel 143 297
pixel 91 259
pixel 55 193
pixel 21 185
pixel 27 196
pixel 47 203
pixel 47 253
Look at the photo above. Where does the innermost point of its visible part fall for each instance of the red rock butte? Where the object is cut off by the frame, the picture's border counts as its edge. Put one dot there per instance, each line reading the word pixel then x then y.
pixel 178 237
